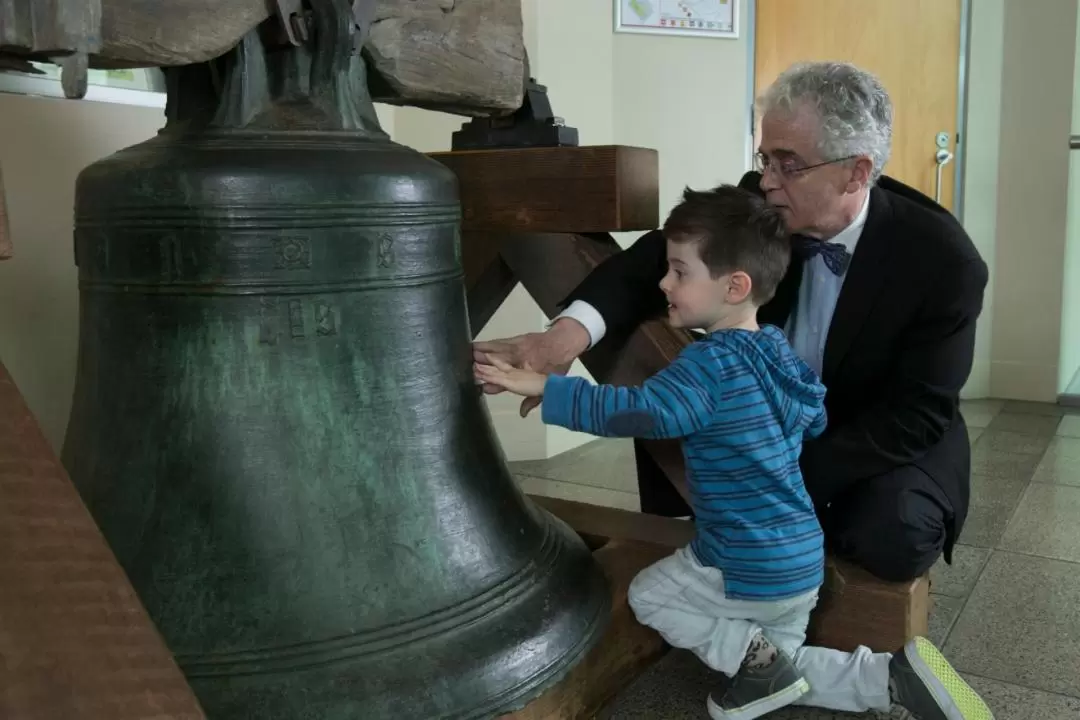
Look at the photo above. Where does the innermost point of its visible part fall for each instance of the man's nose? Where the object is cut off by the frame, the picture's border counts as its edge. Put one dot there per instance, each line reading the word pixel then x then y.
pixel 769 180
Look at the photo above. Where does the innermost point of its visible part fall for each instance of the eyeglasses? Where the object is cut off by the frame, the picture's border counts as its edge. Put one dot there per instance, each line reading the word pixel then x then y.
pixel 789 170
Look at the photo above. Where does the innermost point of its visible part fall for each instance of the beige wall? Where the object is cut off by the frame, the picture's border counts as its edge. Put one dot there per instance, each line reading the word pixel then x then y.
pixel 1036 117
pixel 1070 314
pixel 44 144
pixel 980 182
pixel 688 98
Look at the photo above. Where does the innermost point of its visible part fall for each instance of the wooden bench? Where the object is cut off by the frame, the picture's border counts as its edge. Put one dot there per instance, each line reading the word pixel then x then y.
pixel 855 607
pixel 75 640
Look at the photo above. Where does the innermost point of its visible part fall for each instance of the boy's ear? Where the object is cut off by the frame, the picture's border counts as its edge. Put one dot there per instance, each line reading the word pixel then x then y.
pixel 739 286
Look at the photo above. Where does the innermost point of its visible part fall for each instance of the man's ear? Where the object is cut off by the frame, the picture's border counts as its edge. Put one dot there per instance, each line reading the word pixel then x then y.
pixel 739 286
pixel 860 175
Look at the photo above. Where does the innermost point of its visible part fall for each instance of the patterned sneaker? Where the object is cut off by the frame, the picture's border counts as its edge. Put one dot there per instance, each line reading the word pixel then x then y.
pixel 924 683
pixel 753 693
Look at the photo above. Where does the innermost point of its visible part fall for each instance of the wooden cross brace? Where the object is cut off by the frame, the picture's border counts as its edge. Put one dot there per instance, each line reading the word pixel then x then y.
pixel 543 217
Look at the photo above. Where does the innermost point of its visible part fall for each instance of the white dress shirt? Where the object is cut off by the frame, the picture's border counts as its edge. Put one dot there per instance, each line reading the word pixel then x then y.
pixel 807 327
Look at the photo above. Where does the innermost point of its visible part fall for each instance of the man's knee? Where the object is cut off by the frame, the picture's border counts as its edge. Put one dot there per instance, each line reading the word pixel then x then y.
pixel 897 550
pixel 894 527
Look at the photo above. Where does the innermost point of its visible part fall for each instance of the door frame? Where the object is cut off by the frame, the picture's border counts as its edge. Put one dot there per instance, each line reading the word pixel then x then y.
pixel 958 163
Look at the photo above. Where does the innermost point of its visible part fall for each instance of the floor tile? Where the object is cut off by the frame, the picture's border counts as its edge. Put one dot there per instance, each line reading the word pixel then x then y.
pixel 1045 523
pixel 1061 463
pixel 1013 442
pixel 1028 423
pixel 997 485
pixel 979 413
pixel 958 579
pixel 605 463
pixel 1012 702
pixel 676 688
pixel 943 613
pixel 974 433
pixel 987 461
pixel 1021 625
pixel 1032 408
pixel 592 495
pixel 1070 426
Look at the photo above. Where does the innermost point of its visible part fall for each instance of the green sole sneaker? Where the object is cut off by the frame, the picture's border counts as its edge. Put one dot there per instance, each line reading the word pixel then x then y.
pixel 926 684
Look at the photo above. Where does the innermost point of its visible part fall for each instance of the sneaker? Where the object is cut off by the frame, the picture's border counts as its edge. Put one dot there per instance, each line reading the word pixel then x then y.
pixel 756 692
pixel 924 683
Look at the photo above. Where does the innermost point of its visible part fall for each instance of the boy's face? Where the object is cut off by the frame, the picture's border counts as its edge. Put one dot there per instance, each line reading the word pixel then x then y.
pixel 695 298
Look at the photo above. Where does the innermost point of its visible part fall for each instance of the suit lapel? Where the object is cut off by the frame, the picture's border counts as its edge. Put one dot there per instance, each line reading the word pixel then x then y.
pixel 862 284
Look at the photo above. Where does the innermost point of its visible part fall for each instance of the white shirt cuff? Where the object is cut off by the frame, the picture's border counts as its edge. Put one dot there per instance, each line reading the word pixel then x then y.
pixel 587 315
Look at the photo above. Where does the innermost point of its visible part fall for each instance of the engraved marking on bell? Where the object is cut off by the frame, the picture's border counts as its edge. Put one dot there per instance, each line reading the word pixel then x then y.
pixel 292 253
pixel 296 318
pixel 268 322
pixel 171 260
pixel 386 254
pixel 325 324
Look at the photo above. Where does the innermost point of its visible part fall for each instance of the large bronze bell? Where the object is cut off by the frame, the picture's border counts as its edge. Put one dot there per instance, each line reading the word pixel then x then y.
pixel 275 422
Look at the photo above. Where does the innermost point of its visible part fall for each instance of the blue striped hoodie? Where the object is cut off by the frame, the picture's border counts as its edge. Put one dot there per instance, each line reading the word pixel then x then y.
pixel 742 402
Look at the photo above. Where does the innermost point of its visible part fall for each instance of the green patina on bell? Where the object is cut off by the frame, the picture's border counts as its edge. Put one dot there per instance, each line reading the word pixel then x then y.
pixel 275 422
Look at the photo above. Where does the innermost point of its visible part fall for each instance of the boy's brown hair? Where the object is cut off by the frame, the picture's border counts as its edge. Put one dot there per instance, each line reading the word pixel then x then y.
pixel 734 230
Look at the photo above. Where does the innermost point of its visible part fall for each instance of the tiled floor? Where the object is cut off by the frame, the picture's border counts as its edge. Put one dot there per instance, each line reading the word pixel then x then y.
pixel 1006 613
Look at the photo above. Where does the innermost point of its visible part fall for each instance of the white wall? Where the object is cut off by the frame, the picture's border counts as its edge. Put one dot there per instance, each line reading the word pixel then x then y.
pixel 44 144
pixel 1036 117
pixel 689 99
pixel 1070 312
pixel 981 140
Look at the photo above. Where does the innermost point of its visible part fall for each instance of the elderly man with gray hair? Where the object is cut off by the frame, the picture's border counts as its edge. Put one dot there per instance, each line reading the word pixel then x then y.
pixel 881 300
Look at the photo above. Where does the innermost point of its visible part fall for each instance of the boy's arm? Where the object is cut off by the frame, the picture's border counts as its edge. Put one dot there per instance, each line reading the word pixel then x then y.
pixel 817 425
pixel 675 402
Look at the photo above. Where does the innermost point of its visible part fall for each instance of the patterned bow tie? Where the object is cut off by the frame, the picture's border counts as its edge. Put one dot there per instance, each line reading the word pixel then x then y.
pixel 836 256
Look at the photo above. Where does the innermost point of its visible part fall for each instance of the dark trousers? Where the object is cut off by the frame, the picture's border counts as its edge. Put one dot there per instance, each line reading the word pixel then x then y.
pixel 893 525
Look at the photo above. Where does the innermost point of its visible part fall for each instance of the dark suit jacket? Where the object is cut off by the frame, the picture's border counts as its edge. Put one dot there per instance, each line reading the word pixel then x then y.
pixel 898 351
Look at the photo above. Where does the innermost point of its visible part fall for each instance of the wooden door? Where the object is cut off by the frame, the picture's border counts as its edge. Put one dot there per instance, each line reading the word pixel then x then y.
pixel 913 46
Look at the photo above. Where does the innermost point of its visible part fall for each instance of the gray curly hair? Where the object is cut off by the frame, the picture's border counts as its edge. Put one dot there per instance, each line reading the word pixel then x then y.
pixel 855 110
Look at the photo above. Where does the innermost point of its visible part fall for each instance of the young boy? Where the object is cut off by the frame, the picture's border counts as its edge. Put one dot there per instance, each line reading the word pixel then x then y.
pixel 740 595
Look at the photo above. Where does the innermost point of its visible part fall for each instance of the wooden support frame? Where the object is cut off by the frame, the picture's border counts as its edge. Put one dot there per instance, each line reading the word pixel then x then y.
pixel 75 640
pixel 854 608
pixel 549 248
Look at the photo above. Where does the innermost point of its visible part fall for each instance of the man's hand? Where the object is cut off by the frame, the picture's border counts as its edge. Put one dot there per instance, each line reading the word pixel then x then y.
pixel 549 352
pixel 521 382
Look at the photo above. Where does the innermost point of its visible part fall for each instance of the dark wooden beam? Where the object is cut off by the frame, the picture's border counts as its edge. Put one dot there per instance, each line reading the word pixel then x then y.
pixel 75 640
pixel 597 188
pixel 855 608
pixel 550 266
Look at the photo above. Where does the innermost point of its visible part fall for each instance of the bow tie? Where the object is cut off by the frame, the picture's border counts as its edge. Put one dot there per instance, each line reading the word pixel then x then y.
pixel 835 255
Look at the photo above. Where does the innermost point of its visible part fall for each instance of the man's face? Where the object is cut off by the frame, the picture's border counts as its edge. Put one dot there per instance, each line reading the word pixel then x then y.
pixel 812 199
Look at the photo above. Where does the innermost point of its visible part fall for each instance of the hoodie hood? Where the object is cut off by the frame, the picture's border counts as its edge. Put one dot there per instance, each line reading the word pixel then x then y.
pixel 790 386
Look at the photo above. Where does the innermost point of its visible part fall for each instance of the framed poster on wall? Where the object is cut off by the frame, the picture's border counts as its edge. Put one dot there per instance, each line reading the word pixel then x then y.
pixel 691 18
